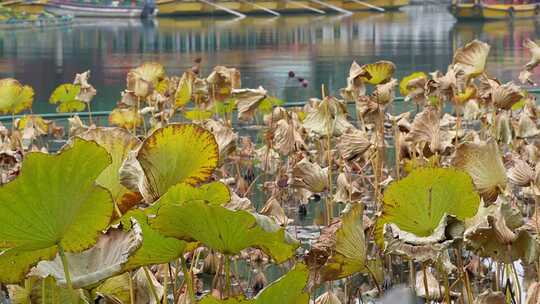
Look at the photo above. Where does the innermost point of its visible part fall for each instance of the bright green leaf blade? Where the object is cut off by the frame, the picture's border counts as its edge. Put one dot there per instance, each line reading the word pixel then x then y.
pixel 198 114
pixel 289 289
pixel 15 264
pixel 55 200
pixel 155 248
pixel 184 90
pixel 177 153
pixel 417 203
pixel 222 229
pixel 65 96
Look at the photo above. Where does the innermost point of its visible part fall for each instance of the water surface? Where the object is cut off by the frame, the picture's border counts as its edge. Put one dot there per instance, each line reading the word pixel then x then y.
pixel 318 48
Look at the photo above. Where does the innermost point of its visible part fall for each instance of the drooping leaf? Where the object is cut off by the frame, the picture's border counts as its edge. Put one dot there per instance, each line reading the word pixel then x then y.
pixel 471 59
pixel 379 72
pixel 183 214
pixel 105 259
pixel 65 96
pixel 55 201
pixel 341 250
pixel 14 97
pixel 289 289
pixel 125 118
pixel 404 89
pixel 118 142
pixel 184 90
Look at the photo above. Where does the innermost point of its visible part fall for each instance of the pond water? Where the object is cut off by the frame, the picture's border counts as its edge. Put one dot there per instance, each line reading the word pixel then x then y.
pixel 317 48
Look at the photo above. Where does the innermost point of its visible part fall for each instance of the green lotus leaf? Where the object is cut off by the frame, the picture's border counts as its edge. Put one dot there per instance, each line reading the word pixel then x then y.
pixel 177 153
pixel 417 203
pixel 342 244
pixel 54 201
pixel 105 259
pixel 118 142
pixel 404 83
pixel 219 228
pixel 66 97
pixel 114 290
pixel 14 97
pixel 16 263
pixel 289 289
pixel 155 248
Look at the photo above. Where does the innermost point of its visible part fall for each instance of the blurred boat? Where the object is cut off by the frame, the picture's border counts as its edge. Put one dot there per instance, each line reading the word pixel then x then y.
pixel 30 7
pixel 114 10
pixel 481 11
pixel 193 7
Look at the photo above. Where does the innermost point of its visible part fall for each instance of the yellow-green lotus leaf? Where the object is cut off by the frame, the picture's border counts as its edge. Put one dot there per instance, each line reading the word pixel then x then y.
pixel 125 118
pixel 155 248
pixel 55 201
pixel 184 90
pixel 198 115
pixel 176 153
pixel 404 83
pixel 40 291
pixel 340 251
pixel 379 72
pixel 417 203
pixel 16 263
pixel 118 143
pixel 36 121
pixel 289 289
pixel 14 97
pixel 65 96
pixel 217 227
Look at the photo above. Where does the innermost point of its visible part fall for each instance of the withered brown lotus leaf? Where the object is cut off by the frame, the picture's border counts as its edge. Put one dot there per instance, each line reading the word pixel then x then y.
pixel 221 82
pixel 521 174
pixel 225 137
pixel 471 58
pixel 87 91
pixel 327 298
pixel 353 144
pixel 506 95
pixel 355 82
pixel 386 92
pixel 534 49
pixel 426 129
pixel 268 159
pixel 247 101
pixel 533 294
pixel 328 117
pixel 272 208
pixel 526 127
pixel 288 136
pixel 309 176
pixel 347 190
pixel 484 164
pixel 490 297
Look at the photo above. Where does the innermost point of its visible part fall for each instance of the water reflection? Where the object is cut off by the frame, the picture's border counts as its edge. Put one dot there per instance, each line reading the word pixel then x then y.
pixel 319 49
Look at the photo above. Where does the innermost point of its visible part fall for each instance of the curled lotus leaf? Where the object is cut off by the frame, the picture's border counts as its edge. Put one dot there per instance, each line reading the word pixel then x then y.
pixel 143 79
pixel 289 289
pixel 309 176
pixel 407 85
pixel 418 203
pixel 491 297
pixel 177 153
pixel 87 91
pixel 247 101
pixel 288 136
pixel 328 298
pixel 379 72
pixel 471 59
pixel 435 290
pixel 14 97
pixel 506 95
pixel 534 49
pixel 340 251
pixel 118 143
pixel 65 96
pixel 533 293
pixel 224 135
pixel 526 126
pixel 353 144
pixel 184 90
pixel 204 218
pixel 116 289
pixel 426 129
pixel 355 82
pixel 54 201
pixel 385 93
pixel 125 118
pixel 222 81
pixel 484 164
pixel 347 189
pixel 272 208
pixel 521 173
pixel 105 259
pixel 327 117
pixel 503 130
pixel 498 231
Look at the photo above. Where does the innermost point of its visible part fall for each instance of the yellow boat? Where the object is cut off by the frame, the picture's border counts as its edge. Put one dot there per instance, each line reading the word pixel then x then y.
pixel 193 7
pixel 479 11
pixel 30 7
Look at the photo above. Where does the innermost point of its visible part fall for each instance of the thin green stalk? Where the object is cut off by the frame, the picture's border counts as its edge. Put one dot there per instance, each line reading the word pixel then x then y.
pixel 188 279
pixel 227 276
pixel 65 265
pixel 518 285
pixel 150 283
pixel 173 282
pixel 426 288
pixel 43 291
pixel 131 290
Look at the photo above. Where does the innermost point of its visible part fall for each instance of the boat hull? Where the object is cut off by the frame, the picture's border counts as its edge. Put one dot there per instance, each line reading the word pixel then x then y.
pixel 174 7
pixel 94 11
pixel 495 12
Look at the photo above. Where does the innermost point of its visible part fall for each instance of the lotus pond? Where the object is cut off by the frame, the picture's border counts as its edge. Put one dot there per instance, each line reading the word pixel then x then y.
pixel 195 189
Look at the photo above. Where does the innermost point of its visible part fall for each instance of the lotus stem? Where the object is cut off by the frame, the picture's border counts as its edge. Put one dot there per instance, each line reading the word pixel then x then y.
pixel 131 290
pixel 65 265
pixel 426 288
pixel 187 279
pixel 396 150
pixel 173 282
pixel 150 283
pixel 43 291
pixel 90 114
pixel 227 276
pixel 412 275
pixel 379 289
pixel 516 279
